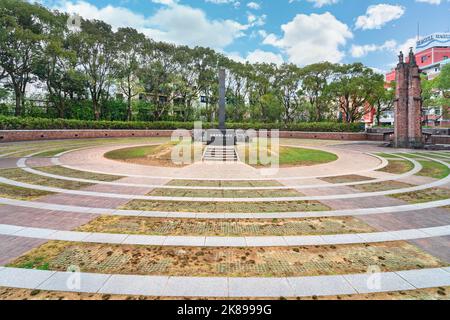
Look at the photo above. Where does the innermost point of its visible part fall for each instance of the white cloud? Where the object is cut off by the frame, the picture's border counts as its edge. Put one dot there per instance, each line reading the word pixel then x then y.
pixel 358 51
pixel 173 22
pixel 378 15
pixel 253 6
pixel 259 56
pixel 437 2
pixel 312 38
pixel 318 3
pixel 235 3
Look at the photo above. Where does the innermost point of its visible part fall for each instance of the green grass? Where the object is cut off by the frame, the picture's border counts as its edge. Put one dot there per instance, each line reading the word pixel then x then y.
pixel 428 195
pixel 205 183
pixel 12 192
pixel 52 153
pixel 434 170
pixel 131 153
pixel 290 156
pixel 226 207
pixel 26 177
pixel 61 171
pixel 398 167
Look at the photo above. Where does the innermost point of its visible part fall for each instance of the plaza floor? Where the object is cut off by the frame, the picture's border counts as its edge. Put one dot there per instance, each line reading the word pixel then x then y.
pixel 374 222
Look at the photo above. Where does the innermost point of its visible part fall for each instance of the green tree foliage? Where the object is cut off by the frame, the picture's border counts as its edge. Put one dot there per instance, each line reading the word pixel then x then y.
pixel 101 74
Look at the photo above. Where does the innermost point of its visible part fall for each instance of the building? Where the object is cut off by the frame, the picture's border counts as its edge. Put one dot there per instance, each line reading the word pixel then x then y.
pixel 432 54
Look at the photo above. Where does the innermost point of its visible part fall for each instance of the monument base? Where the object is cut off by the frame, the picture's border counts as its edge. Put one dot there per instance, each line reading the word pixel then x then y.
pixel 219 137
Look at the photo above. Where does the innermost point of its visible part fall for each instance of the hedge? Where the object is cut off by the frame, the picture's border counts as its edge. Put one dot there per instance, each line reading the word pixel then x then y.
pixel 14 123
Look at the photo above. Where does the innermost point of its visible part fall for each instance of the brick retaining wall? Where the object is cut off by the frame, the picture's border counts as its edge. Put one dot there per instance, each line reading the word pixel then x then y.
pixel 31 135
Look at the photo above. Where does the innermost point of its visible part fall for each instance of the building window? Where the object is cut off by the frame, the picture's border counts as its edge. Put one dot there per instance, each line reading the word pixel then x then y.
pixel 424 59
pixel 203 99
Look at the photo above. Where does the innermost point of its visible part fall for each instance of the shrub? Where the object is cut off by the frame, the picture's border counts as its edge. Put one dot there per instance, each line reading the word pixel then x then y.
pixel 14 123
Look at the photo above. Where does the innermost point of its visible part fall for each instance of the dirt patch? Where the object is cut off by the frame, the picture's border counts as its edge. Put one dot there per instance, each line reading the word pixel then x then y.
pixel 442 293
pixel 346 179
pixel 398 167
pixel 233 262
pixel 193 227
pixel 226 207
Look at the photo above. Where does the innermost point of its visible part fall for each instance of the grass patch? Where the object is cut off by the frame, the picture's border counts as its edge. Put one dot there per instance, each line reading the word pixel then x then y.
pixel 218 184
pixel 229 228
pixel 398 167
pixel 231 262
pixel 289 156
pixel 428 195
pixel 346 179
pixel 160 155
pixel 387 155
pixel 382 186
pixel 434 170
pixel 61 171
pixel 226 207
pixel 26 177
pixel 52 153
pixel 224 193
pixel 12 192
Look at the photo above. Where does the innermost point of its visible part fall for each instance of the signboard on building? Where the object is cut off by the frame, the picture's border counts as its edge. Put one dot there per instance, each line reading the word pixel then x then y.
pixel 434 40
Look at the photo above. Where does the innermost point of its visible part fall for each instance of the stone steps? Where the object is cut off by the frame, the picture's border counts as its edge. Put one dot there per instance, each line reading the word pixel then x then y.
pixel 220 154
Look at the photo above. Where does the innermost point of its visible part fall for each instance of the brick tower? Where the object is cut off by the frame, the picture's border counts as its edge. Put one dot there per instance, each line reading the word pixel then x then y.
pixel 408 104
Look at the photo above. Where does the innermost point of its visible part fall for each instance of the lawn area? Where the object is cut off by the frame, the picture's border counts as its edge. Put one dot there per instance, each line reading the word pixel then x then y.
pixel 225 193
pixel 231 262
pixel 206 183
pixel 288 156
pixel 398 167
pixel 61 171
pixel 159 155
pixel 26 177
pixel 226 228
pixel 434 170
pixel 428 195
pixel 12 192
pixel 226 207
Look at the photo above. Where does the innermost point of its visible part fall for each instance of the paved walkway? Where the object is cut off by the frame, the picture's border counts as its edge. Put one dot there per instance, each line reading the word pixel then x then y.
pixel 224 287
pixel 192 241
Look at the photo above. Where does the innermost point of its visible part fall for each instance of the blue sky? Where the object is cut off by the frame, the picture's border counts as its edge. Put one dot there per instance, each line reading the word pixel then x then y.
pixel 297 31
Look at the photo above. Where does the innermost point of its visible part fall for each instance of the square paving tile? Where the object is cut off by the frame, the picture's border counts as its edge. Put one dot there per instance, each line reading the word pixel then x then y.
pixel 184 241
pixel 106 238
pixel 265 241
pixel 259 287
pixel 145 240
pixel 320 286
pixel 23 278
pixel 196 287
pixel 303 241
pixel 136 285
pixel 226 241
pixel 378 282
pixel 8 230
pixel 35 233
pixel 429 278
pixel 74 282
pixel 68 236
pixel 341 239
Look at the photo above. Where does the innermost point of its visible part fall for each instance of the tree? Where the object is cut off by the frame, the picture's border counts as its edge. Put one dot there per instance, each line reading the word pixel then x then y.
pixel 384 100
pixel 96 51
pixel 288 83
pixel 314 85
pixel 354 87
pixel 23 30
pixel 130 50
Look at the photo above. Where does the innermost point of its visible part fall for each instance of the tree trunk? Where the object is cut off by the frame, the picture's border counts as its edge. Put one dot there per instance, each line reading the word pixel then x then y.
pixel 19 105
pixel 96 109
pixel 129 111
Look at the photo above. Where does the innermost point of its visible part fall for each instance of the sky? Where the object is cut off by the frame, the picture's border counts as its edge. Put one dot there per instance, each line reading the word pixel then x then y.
pixel 292 31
